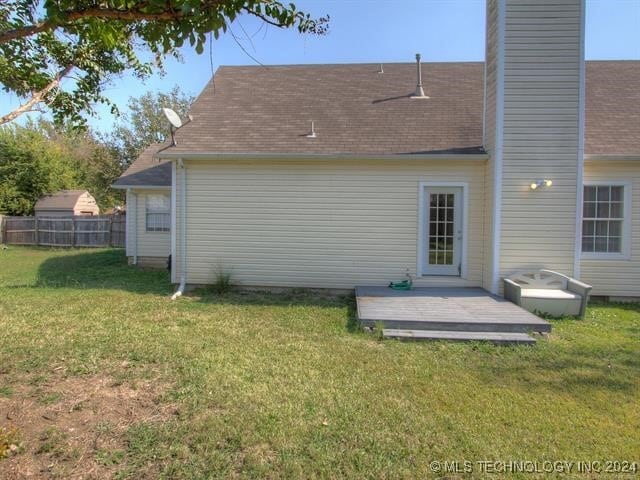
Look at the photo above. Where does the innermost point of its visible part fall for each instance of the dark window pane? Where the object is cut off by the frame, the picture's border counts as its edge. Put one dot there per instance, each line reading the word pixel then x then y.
pixel 601 244
pixel 433 200
pixel 450 200
pixel 587 244
pixel 439 258
pixel 615 229
pixel 441 214
pixel 602 228
pixel 589 194
pixel 616 194
pixel 449 229
pixel 589 210
pixel 433 214
pixel 448 258
pixel 449 214
pixel 442 200
pixel 588 227
pixel 603 210
pixel 616 210
pixel 432 258
pixel 603 194
pixel 433 228
pixel 615 245
pixel 433 245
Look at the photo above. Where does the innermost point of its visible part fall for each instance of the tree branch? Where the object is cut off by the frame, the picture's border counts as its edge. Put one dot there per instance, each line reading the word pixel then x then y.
pixel 131 15
pixel 37 97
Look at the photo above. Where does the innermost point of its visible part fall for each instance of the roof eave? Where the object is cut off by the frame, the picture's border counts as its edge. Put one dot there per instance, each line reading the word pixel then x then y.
pixel 340 156
pixel 148 187
pixel 612 158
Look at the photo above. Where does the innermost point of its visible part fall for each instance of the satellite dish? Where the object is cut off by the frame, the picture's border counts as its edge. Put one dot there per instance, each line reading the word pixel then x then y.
pixel 175 122
pixel 173 117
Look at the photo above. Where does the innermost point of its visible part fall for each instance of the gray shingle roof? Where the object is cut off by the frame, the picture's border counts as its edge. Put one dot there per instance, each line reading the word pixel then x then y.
pixel 612 118
pixel 357 111
pixel 147 170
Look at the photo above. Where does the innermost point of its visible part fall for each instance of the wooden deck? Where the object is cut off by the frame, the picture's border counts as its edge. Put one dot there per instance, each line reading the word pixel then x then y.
pixel 444 309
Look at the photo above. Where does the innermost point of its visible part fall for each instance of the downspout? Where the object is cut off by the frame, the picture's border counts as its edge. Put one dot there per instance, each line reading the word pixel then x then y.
pixel 183 226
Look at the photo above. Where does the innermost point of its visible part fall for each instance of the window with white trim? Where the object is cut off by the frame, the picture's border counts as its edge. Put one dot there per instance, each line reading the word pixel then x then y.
pixel 158 213
pixel 603 219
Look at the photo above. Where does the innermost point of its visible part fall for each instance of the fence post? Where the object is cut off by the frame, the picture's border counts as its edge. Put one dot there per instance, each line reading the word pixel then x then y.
pixel 110 234
pixel 73 231
pixel 36 237
pixel 2 228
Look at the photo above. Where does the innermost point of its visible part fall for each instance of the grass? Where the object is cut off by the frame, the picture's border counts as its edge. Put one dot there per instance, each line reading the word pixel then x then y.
pixel 286 386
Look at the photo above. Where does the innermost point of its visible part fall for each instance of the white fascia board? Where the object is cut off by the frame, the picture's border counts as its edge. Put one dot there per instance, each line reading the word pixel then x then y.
pixel 141 187
pixel 293 156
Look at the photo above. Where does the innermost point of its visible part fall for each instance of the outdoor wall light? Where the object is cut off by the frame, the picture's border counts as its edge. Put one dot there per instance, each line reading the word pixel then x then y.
pixel 541 183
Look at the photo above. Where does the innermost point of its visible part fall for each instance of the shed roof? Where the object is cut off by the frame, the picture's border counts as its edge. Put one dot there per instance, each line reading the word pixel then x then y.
pixel 62 200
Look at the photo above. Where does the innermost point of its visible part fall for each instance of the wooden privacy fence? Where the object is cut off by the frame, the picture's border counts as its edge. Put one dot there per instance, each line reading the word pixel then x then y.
pixel 78 231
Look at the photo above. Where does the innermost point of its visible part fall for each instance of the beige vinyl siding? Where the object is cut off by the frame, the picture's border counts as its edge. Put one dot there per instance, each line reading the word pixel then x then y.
pixel 86 203
pixel 325 224
pixel 619 278
pixel 541 114
pixel 149 244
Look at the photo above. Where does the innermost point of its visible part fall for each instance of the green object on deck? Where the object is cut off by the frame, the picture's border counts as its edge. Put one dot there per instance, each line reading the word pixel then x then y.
pixel 403 285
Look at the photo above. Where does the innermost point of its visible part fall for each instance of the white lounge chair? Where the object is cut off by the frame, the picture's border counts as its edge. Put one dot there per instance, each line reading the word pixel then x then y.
pixel 547 292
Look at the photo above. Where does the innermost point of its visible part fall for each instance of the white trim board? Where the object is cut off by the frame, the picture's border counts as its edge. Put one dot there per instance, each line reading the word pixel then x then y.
pixel 577 252
pixel 141 187
pixel 173 222
pixel 473 157
pixel 498 146
pixel 422 186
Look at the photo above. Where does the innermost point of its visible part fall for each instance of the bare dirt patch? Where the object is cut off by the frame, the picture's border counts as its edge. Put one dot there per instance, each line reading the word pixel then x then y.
pixel 75 427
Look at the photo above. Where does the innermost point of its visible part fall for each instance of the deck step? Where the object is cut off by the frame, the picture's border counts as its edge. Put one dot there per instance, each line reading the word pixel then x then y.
pixel 459 336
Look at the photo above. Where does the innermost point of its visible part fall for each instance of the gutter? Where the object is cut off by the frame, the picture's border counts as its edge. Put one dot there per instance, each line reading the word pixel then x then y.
pixel 612 158
pixel 141 187
pixel 340 156
pixel 183 226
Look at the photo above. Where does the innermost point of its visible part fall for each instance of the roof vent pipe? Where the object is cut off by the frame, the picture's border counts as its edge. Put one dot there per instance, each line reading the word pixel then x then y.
pixel 419 91
pixel 312 134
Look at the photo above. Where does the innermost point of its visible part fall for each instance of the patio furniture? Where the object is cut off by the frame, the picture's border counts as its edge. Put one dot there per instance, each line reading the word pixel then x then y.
pixel 547 292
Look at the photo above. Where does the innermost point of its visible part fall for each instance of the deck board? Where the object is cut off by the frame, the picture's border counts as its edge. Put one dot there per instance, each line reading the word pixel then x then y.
pixel 439 307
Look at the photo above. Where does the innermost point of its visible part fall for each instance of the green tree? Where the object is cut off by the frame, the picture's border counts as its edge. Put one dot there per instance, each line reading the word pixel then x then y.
pixel 37 159
pixel 145 123
pixel 90 41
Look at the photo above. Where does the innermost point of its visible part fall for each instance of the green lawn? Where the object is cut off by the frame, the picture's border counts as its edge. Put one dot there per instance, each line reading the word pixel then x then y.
pixel 252 385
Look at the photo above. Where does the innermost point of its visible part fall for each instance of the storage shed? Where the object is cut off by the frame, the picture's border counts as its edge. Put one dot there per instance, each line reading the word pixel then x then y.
pixel 67 203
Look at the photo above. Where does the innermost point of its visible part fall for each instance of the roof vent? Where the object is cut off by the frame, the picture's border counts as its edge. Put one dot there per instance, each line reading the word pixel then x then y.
pixel 380 70
pixel 419 91
pixel 312 134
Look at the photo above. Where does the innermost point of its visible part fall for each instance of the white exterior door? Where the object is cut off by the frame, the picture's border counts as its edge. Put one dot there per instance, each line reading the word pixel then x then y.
pixel 444 231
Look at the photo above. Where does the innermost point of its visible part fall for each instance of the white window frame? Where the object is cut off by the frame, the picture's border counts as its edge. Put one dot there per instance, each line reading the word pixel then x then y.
pixel 625 250
pixel 422 225
pixel 148 211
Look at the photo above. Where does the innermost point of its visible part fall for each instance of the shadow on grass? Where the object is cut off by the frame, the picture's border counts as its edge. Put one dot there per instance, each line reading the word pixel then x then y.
pixel 296 297
pixel 106 269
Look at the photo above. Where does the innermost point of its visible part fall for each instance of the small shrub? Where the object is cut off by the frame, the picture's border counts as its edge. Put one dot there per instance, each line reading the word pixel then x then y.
pixel 222 281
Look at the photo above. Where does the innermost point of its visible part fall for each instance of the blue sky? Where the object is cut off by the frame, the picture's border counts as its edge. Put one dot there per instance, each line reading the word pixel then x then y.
pixel 370 31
